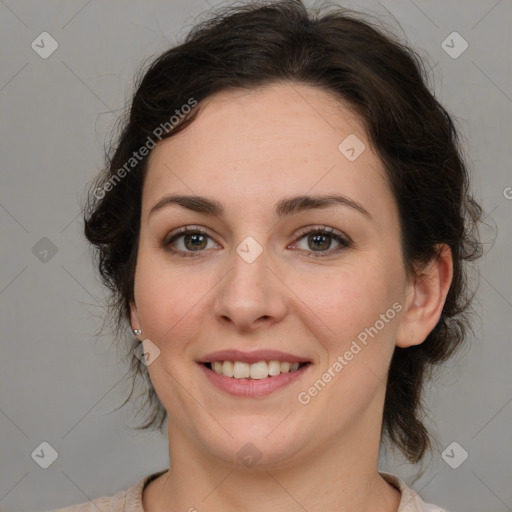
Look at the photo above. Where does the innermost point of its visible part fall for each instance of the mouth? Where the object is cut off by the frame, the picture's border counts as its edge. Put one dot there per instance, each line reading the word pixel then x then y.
pixel 255 371
pixel 252 374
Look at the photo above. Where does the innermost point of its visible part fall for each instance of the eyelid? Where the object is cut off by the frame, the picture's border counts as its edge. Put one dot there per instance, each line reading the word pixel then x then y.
pixel 322 229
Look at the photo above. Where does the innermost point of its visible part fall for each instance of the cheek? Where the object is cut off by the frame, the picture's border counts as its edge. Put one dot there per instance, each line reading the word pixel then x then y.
pixel 347 299
pixel 170 299
pixel 357 331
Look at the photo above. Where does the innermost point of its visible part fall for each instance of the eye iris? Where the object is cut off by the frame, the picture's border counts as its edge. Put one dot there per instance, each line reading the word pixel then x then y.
pixel 198 241
pixel 318 237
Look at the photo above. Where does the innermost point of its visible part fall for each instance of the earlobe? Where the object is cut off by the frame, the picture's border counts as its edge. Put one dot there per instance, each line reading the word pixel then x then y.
pixel 134 316
pixel 428 296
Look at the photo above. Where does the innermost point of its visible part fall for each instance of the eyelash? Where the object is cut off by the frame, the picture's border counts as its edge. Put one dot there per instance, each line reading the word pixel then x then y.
pixel 321 230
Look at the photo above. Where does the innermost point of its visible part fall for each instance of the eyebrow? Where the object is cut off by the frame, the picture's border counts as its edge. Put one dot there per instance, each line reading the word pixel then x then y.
pixel 284 207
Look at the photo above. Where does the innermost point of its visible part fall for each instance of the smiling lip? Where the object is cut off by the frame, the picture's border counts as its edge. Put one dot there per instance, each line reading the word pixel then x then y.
pixel 252 357
pixel 251 387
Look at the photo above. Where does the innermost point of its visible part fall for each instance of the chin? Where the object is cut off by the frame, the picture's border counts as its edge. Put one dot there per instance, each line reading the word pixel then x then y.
pixel 255 441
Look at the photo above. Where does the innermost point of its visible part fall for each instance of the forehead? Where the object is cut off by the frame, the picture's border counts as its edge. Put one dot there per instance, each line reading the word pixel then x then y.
pixel 249 145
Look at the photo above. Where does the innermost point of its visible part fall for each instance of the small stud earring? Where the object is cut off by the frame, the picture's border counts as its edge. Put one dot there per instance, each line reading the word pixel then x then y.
pixel 137 331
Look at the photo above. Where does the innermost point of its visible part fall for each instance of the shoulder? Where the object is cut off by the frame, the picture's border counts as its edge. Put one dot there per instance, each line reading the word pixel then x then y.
pixel 128 500
pixel 411 501
pixel 117 503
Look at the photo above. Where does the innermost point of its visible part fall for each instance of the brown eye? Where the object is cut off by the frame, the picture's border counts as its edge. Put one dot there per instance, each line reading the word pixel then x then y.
pixel 320 240
pixel 187 241
pixel 195 241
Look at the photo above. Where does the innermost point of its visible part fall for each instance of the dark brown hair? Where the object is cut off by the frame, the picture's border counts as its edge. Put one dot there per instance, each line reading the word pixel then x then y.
pixel 385 83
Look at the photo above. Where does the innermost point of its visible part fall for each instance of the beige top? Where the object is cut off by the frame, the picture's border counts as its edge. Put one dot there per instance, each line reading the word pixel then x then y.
pixel 130 500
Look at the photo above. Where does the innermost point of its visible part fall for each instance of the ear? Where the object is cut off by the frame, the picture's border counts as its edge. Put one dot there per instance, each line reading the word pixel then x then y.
pixel 425 299
pixel 134 316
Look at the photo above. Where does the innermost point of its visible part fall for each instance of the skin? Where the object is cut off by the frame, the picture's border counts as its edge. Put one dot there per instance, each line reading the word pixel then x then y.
pixel 248 150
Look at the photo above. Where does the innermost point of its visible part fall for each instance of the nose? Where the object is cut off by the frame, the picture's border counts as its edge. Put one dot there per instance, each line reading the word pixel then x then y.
pixel 251 295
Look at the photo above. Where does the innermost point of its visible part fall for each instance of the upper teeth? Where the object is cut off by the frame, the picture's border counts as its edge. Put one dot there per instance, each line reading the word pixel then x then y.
pixel 259 370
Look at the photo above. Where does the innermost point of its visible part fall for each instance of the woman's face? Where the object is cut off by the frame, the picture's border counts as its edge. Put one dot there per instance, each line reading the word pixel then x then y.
pixel 260 278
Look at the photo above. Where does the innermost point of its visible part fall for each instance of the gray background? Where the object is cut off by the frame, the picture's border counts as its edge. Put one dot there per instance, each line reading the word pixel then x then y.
pixel 61 384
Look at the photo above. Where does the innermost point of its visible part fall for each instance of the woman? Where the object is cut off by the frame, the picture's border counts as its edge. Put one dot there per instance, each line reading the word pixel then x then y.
pixel 285 223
